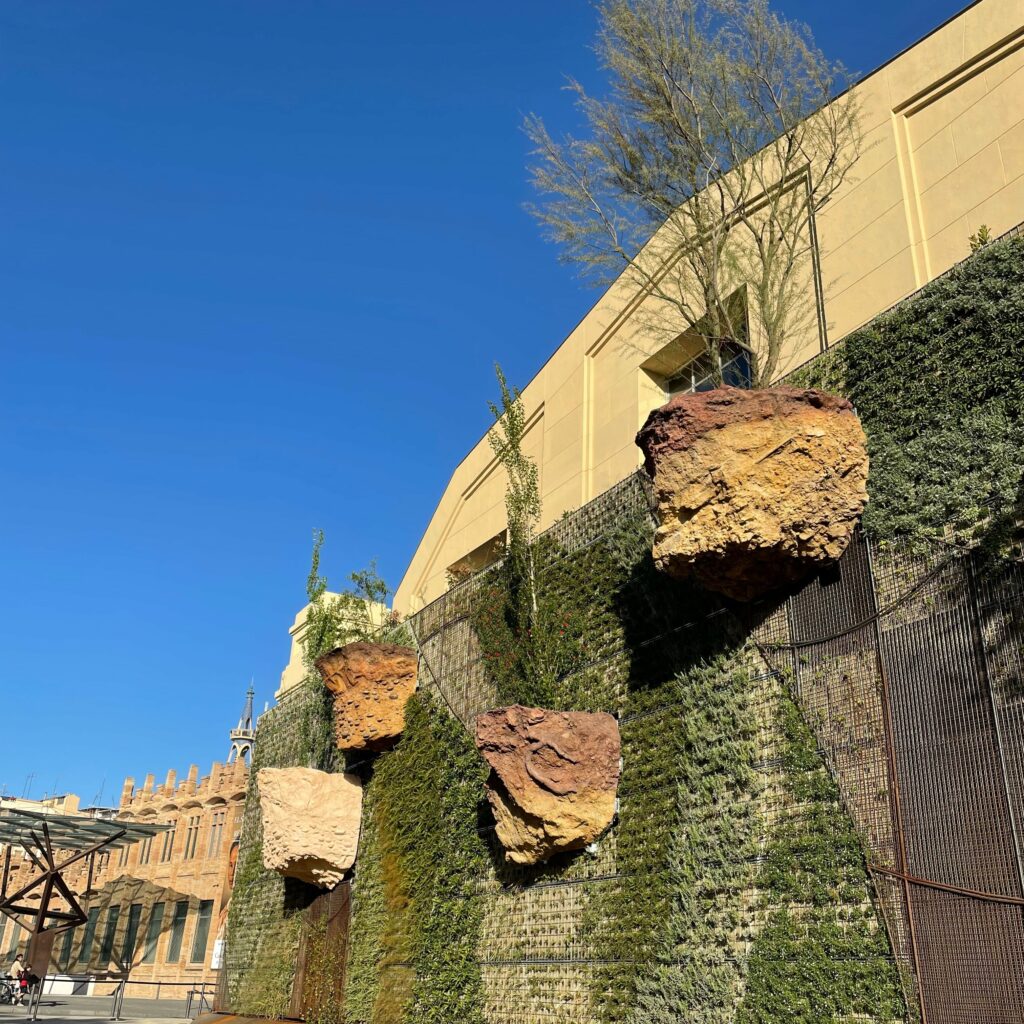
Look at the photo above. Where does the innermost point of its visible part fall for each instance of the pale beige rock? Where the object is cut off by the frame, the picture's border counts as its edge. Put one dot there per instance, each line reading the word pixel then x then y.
pixel 371 684
pixel 755 489
pixel 554 778
pixel 310 823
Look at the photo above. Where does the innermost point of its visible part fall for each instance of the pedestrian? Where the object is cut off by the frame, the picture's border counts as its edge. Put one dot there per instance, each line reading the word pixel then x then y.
pixel 15 972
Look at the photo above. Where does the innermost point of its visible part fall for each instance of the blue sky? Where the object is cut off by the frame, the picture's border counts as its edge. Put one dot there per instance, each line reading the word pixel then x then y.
pixel 257 261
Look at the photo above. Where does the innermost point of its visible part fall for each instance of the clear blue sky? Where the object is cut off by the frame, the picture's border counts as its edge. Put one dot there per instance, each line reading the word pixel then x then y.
pixel 257 261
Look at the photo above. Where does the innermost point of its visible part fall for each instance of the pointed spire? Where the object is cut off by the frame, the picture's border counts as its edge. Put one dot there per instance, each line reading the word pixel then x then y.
pixel 243 735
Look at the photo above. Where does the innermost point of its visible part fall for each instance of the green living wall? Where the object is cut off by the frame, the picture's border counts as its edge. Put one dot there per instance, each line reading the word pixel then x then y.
pixel 266 912
pixel 937 383
pixel 732 886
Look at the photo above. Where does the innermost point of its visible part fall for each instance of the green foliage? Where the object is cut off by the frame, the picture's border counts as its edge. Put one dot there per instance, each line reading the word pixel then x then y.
pixel 417 890
pixel 937 384
pixel 529 641
pixel 980 238
pixel 822 954
pixel 337 619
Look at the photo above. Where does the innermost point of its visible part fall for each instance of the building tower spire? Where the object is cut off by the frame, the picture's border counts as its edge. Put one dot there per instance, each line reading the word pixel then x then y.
pixel 243 736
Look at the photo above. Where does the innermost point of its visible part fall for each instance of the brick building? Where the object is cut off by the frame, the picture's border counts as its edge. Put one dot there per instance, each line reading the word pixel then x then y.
pixel 155 908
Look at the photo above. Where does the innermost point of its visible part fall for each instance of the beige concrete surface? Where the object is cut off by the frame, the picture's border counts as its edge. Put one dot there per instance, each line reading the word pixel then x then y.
pixel 944 133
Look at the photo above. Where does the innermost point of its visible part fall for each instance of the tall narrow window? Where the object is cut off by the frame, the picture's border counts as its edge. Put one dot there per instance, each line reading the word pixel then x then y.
pixel 156 922
pixel 65 949
pixel 168 848
pixel 191 837
pixel 131 934
pixel 216 833
pixel 88 934
pixel 107 946
pixel 177 931
pixel 146 850
pixel 202 932
pixel 122 857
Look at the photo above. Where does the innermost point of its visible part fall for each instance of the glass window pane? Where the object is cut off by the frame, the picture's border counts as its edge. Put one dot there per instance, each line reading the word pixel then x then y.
pixel 131 934
pixel 156 921
pixel 177 931
pixel 88 933
pixel 202 932
pixel 107 946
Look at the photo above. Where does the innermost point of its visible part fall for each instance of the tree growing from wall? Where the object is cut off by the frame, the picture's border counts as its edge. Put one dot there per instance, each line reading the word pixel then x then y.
pixel 528 641
pixel 723 131
pixel 356 613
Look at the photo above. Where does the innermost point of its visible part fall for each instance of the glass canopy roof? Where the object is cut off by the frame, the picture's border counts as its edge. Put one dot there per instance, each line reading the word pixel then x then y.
pixel 71 832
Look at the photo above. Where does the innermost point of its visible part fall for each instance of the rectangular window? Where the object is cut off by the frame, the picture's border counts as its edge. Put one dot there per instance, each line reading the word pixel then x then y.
pixel 191 837
pixel 733 363
pixel 65 949
pixel 131 934
pixel 146 850
pixel 107 946
pixel 88 933
pixel 168 848
pixel 177 931
pixel 156 922
pixel 122 857
pixel 202 932
pixel 216 833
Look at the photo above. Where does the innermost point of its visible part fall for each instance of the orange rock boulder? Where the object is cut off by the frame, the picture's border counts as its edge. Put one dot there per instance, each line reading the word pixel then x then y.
pixel 554 778
pixel 755 489
pixel 371 684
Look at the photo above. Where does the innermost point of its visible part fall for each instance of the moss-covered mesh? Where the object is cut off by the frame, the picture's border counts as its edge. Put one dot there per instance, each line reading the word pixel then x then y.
pixel 731 883
pixel 266 913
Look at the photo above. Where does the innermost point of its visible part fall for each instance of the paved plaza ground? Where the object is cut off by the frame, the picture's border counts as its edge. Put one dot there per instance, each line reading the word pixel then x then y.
pixel 58 1008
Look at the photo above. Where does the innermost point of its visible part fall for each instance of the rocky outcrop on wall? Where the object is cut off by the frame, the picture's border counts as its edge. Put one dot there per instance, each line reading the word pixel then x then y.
pixel 755 488
pixel 371 684
pixel 554 778
pixel 310 823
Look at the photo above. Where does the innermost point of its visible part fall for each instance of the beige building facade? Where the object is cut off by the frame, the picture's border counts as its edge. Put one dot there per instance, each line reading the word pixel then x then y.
pixel 155 908
pixel 943 126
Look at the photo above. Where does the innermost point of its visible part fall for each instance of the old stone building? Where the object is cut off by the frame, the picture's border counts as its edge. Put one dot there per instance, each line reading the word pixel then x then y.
pixel 156 908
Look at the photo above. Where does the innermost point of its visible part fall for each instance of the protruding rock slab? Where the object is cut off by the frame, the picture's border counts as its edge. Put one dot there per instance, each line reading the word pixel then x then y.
pixel 554 781
pixel 310 823
pixel 371 684
pixel 755 489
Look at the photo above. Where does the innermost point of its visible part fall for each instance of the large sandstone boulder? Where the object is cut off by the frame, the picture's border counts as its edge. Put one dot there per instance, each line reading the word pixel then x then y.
pixel 755 489
pixel 371 684
pixel 554 778
pixel 310 823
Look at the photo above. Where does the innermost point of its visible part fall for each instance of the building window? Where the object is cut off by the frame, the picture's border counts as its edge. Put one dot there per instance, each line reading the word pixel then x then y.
pixel 177 931
pixel 699 373
pixel 202 932
pixel 107 946
pixel 122 857
pixel 216 833
pixel 168 848
pixel 88 933
pixel 191 837
pixel 156 922
pixel 65 949
pixel 146 850
pixel 131 935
